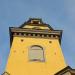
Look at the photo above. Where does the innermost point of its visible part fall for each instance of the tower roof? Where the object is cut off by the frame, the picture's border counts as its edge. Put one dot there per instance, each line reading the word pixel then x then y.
pixel 35 26
pixel 35 22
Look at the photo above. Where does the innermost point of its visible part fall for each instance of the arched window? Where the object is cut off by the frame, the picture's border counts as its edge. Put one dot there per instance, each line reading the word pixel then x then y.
pixel 36 53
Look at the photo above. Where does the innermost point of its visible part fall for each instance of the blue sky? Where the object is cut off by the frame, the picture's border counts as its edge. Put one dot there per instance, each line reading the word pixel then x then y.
pixel 60 14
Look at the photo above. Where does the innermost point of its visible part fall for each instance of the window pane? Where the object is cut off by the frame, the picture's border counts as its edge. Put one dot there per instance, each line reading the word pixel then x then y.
pixel 36 53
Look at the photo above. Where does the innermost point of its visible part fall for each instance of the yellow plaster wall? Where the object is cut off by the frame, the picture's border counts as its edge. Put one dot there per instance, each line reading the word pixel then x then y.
pixel 18 61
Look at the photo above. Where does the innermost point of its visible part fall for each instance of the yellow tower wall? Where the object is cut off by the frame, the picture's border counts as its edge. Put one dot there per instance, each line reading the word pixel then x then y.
pixel 19 63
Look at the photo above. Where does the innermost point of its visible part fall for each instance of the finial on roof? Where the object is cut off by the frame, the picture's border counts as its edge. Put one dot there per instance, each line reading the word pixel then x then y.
pixel 35 21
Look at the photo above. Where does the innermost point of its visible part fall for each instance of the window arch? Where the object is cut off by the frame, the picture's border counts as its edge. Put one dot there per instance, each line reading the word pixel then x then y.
pixel 36 53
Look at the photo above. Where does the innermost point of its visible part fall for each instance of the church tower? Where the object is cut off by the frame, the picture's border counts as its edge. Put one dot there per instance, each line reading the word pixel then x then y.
pixel 35 49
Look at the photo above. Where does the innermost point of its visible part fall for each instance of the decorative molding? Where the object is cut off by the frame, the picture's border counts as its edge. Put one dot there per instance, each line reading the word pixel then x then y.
pixel 20 34
pixel 35 35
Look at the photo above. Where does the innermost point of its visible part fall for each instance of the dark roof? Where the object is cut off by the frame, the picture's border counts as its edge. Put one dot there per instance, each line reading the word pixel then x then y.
pixel 66 69
pixel 5 73
pixel 38 19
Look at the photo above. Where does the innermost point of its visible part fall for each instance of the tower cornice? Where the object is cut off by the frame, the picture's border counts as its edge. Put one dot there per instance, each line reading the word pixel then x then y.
pixel 35 28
